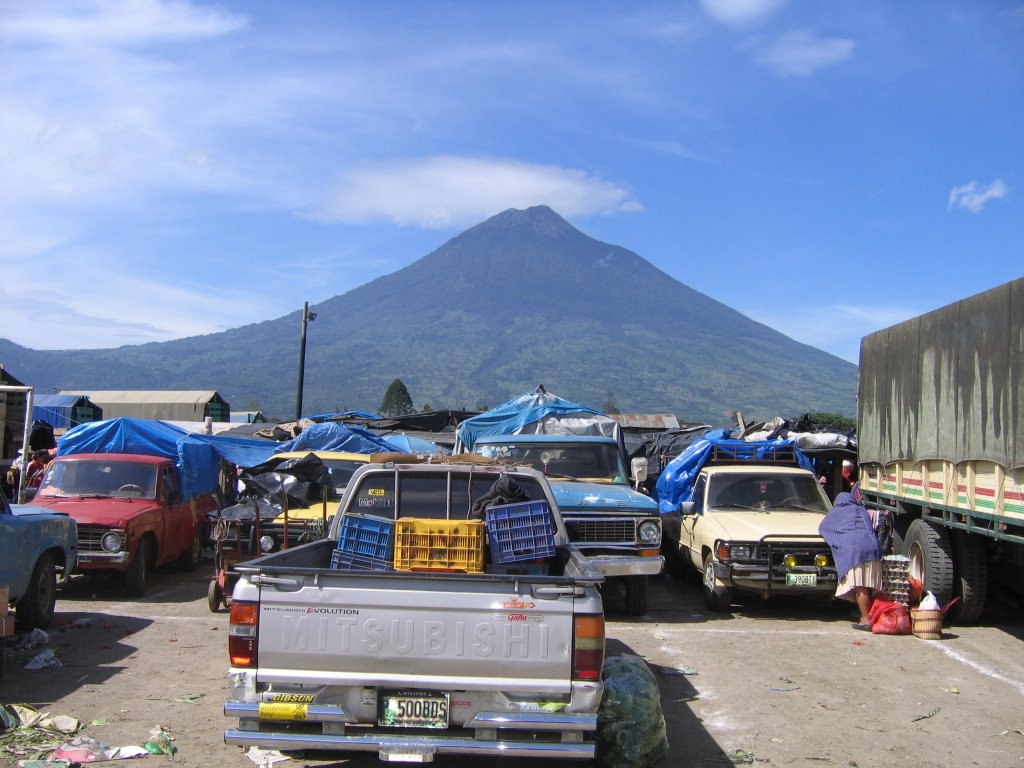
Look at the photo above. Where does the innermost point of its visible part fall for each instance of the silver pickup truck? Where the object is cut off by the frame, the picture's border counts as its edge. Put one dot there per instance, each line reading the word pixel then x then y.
pixel 415 663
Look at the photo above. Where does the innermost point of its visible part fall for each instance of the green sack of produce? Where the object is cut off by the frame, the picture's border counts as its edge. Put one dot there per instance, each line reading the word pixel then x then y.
pixel 630 723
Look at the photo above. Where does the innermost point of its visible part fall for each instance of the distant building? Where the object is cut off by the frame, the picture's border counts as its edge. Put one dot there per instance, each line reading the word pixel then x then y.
pixel 12 418
pixel 65 411
pixel 165 405
pixel 247 417
pixel 646 422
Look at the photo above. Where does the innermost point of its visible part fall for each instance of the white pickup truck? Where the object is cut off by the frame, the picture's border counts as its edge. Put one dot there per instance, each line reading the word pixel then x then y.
pixel 414 664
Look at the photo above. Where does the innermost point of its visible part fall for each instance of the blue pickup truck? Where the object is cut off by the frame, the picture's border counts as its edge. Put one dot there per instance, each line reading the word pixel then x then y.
pixel 35 544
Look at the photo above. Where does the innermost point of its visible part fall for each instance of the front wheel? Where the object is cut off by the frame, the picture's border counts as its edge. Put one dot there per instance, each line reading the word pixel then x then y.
pixel 636 595
pixel 717 597
pixel 135 576
pixel 35 608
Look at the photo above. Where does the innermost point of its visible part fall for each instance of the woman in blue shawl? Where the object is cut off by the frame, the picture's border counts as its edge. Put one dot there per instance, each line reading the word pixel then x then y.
pixel 849 531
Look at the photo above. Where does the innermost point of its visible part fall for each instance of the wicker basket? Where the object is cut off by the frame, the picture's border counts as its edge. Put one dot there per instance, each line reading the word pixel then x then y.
pixel 926 624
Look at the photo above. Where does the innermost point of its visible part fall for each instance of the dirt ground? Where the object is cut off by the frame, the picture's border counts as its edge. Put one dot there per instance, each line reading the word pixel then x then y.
pixel 786 683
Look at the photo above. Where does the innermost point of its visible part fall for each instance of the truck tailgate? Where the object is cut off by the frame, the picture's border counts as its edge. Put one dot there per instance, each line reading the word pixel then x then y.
pixel 479 632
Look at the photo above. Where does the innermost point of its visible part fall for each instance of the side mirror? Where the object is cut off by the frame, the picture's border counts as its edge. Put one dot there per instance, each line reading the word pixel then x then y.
pixel 687 508
pixel 638 469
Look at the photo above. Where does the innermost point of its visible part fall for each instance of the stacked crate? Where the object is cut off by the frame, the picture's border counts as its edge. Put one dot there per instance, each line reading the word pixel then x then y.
pixel 365 543
pixel 895 584
pixel 521 537
pixel 453 546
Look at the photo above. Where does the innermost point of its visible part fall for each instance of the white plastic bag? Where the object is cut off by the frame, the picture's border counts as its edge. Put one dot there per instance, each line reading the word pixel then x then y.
pixel 929 603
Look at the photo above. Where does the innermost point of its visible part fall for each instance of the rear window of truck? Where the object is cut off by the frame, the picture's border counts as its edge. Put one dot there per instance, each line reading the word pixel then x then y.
pixel 420 495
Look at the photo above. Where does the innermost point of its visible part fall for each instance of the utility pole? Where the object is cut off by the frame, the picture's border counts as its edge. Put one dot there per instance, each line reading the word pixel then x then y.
pixel 307 317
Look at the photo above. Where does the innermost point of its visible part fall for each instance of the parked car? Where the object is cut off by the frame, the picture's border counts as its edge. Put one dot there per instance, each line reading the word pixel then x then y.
pixel 132 515
pixel 35 545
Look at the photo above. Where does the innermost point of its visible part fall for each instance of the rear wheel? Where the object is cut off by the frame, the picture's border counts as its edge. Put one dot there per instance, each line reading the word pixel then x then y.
pixel 717 596
pixel 193 556
pixel 972 576
pixel 636 595
pixel 35 608
pixel 928 548
pixel 135 576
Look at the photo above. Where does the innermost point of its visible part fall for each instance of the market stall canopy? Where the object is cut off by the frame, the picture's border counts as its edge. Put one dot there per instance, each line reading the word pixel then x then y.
pixel 331 436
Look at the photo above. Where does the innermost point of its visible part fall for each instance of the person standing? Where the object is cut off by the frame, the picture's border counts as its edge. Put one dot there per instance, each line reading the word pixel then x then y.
pixel 34 472
pixel 849 533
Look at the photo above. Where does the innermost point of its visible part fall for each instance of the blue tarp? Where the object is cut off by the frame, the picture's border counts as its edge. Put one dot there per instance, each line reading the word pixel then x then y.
pixel 675 485
pixel 331 436
pixel 57 410
pixel 412 444
pixel 509 418
pixel 197 457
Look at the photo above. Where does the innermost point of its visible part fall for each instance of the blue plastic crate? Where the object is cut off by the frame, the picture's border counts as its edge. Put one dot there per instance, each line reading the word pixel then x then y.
pixel 342 560
pixel 367 535
pixel 517 532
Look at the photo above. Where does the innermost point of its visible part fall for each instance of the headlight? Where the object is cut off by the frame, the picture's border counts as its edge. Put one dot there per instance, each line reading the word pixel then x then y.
pixel 741 552
pixel 789 561
pixel 111 542
pixel 821 561
pixel 266 543
pixel 650 532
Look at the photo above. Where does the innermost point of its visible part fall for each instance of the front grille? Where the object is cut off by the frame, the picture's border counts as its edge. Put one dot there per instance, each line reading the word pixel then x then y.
pixel 805 553
pixel 602 531
pixel 89 537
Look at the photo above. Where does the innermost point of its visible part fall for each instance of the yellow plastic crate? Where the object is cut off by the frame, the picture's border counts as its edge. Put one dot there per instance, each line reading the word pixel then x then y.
pixel 423 544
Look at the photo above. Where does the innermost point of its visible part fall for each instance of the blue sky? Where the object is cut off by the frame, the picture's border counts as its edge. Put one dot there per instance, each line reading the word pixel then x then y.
pixel 179 168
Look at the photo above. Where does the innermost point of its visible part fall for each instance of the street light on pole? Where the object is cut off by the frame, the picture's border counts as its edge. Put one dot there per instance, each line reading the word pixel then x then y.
pixel 307 317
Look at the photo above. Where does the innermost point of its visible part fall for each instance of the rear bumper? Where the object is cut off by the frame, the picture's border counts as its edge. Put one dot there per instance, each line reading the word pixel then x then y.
pixel 516 734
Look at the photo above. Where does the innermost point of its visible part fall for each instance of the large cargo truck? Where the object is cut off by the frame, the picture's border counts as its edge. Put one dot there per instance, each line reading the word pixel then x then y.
pixel 941 443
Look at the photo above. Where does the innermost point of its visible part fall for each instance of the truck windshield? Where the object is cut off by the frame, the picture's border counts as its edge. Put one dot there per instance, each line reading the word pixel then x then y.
pixel 100 477
pixel 340 471
pixel 594 462
pixel 767 492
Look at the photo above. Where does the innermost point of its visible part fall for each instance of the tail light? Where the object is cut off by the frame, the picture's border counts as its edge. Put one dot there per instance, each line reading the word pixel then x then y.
pixel 588 647
pixel 242 633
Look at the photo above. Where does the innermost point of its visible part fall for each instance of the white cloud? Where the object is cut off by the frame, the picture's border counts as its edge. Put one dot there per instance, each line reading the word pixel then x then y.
pixel 740 12
pixel 446 191
pixel 114 22
pixel 802 53
pixel 973 198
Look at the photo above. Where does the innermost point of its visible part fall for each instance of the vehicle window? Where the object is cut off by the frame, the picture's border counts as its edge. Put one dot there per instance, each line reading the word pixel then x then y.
pixel 100 478
pixel 170 485
pixel 596 462
pixel 424 495
pixel 765 493
pixel 698 494
pixel 340 472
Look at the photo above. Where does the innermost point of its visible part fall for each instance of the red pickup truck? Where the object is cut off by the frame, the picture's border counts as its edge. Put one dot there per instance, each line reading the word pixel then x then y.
pixel 130 511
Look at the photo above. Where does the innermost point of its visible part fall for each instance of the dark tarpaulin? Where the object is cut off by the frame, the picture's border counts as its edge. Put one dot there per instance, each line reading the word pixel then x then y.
pixel 947 385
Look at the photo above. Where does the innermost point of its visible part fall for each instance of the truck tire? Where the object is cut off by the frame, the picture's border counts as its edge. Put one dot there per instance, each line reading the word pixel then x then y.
pixel 931 560
pixel 972 577
pixel 193 556
pixel 717 597
pixel 135 576
pixel 636 595
pixel 35 608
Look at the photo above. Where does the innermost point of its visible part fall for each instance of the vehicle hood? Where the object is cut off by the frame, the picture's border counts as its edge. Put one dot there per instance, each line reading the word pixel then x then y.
pixel 752 526
pixel 27 510
pixel 604 497
pixel 105 511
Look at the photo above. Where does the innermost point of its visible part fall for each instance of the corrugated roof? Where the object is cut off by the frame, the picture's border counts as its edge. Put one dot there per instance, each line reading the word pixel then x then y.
pixel 65 400
pixel 145 396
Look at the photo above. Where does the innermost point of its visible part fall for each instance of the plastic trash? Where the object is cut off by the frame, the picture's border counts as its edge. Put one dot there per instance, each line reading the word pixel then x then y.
pixel 630 723
pixel 33 639
pixel 45 659
pixel 929 603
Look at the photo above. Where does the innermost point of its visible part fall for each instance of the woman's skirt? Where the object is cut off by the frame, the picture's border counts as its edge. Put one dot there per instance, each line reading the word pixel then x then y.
pixel 867 574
